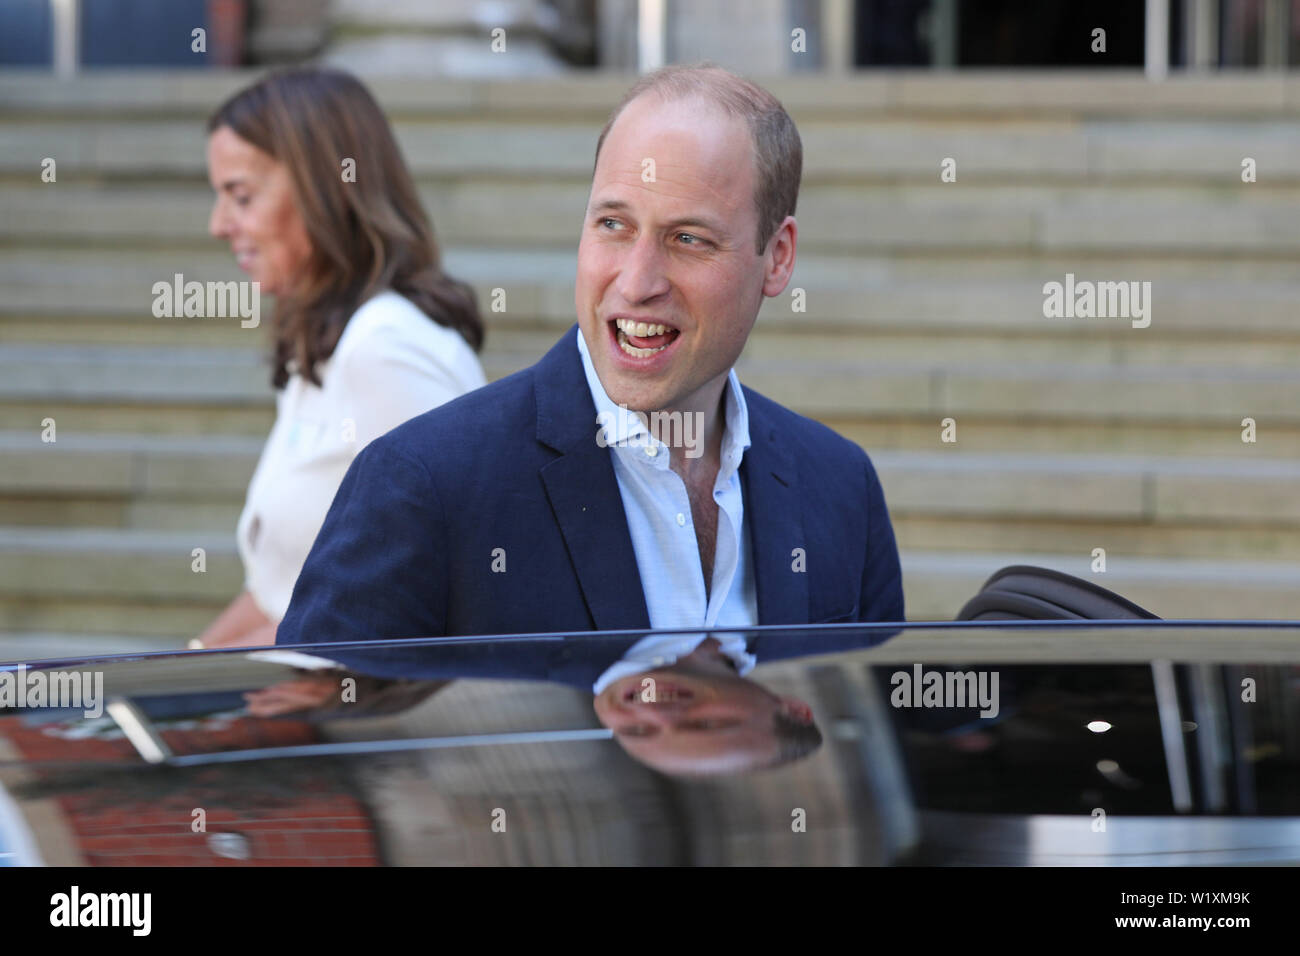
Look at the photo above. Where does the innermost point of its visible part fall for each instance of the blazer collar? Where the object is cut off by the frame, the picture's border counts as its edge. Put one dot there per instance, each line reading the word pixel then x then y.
pixel 566 414
pixel 770 478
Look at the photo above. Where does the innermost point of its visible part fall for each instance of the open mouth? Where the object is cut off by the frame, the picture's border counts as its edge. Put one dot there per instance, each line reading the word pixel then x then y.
pixel 642 340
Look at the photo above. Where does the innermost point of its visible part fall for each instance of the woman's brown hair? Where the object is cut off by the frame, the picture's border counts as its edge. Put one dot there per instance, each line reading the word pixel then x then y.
pixel 368 232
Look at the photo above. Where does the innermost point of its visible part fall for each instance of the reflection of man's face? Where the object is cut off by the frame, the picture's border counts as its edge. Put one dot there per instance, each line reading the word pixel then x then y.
pixel 698 717
pixel 678 251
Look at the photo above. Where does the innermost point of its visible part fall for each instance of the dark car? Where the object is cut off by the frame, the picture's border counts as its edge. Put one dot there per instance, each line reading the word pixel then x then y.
pixel 1076 742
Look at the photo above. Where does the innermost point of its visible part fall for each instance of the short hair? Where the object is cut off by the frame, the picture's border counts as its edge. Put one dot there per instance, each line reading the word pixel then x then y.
pixel 778 151
pixel 795 739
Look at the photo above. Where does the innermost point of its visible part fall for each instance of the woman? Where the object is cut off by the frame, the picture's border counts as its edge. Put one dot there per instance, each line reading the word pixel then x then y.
pixel 319 208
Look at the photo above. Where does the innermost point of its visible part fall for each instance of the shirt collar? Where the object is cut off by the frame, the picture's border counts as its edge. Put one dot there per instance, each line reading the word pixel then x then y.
pixel 624 429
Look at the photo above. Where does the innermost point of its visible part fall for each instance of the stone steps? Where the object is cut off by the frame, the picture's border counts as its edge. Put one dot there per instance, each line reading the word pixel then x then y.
pixel 114 581
pixel 218 467
pixel 1011 150
pixel 896 126
pixel 835 217
pixel 961 499
pixel 924 300
pixel 918 431
pixel 938 583
pixel 986 94
pixel 776 337
pixel 144 377
pixel 143 482
pixel 1222 297
pixel 141 584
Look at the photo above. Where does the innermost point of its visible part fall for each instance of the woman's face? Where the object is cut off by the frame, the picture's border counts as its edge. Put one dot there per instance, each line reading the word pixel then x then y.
pixel 255 212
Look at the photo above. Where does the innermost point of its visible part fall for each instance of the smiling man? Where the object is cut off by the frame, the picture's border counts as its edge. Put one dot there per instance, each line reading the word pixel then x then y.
pixel 627 480
pixel 699 717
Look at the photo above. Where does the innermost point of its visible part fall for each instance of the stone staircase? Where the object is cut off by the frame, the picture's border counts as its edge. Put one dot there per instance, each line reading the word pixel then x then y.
pixel 924 301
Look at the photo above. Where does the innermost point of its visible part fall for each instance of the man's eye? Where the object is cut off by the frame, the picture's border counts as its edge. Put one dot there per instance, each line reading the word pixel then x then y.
pixel 609 223
pixel 694 240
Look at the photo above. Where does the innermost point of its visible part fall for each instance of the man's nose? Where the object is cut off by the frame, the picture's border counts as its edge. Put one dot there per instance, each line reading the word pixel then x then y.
pixel 664 713
pixel 642 274
pixel 662 718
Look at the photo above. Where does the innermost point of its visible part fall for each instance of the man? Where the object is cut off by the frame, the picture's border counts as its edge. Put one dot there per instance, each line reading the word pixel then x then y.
pixel 509 511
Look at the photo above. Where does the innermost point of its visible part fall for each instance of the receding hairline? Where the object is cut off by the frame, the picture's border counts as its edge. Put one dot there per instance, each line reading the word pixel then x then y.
pixel 697 97
pixel 668 96
pixel 773 139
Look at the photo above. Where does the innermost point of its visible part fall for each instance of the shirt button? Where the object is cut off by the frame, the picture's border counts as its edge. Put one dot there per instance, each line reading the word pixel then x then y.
pixel 651 450
pixel 681 519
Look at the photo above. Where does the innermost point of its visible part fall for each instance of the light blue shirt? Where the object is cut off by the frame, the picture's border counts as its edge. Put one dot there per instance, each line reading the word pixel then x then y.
pixel 663 650
pixel 659 518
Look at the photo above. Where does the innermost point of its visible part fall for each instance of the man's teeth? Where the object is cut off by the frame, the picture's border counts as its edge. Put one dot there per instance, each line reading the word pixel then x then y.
pixel 640 329
pixel 632 350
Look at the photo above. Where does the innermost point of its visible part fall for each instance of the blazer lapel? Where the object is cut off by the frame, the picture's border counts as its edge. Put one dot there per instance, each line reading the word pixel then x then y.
pixel 583 492
pixel 772 511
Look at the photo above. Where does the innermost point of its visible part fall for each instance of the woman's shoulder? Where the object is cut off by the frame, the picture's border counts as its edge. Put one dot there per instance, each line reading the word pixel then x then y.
pixel 389 326
pixel 393 313
pixel 390 320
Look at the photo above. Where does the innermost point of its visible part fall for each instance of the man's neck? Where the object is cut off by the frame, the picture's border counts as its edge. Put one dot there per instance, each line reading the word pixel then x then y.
pixel 696 450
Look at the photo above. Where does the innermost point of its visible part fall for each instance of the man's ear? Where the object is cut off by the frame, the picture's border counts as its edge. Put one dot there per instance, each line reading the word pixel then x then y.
pixel 797 710
pixel 780 255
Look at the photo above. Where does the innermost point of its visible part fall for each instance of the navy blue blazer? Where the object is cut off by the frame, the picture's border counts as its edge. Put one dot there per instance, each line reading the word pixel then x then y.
pixel 510 475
